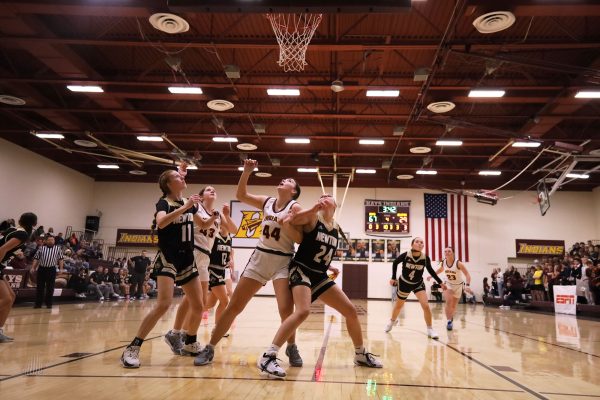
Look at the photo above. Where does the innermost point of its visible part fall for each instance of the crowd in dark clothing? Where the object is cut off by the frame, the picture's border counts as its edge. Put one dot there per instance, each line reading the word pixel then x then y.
pixel 110 280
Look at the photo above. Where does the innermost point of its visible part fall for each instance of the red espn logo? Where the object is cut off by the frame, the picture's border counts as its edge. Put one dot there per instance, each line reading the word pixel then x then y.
pixel 565 299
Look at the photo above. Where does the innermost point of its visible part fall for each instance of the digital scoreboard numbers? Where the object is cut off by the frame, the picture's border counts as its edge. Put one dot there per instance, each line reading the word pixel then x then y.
pixel 387 216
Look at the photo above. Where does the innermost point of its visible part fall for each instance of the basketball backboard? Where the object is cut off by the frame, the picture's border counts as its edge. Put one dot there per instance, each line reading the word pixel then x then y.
pixel 543 197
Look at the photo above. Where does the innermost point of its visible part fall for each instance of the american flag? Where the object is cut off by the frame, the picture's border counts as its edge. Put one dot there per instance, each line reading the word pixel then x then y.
pixel 446 224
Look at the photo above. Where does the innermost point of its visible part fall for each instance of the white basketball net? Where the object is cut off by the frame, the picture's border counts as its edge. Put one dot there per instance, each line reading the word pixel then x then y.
pixel 293 32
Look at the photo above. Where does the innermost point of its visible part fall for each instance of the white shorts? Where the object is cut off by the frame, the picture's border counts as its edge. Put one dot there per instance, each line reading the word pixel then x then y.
pixel 264 267
pixel 202 260
pixel 456 289
pixel 227 273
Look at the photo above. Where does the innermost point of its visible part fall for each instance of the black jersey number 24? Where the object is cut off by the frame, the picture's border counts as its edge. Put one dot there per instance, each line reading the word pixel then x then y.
pixel 324 256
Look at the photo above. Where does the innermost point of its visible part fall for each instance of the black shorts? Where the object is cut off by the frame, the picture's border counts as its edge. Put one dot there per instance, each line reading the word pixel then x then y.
pixel 216 276
pixel 404 288
pixel 180 267
pixel 317 281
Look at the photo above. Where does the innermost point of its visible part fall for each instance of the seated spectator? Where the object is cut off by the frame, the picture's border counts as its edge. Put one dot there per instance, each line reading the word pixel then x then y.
pixel 436 292
pixel 59 239
pixel 125 283
pixel 514 290
pixel 114 278
pixel 79 282
pixel 74 242
pixel 9 223
pixel 19 261
pixel 486 287
pixel 469 295
pixel 99 286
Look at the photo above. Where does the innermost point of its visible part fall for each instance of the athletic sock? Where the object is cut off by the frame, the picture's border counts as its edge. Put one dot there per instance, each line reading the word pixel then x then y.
pixel 137 341
pixel 273 349
pixel 359 350
pixel 210 346
pixel 430 327
pixel 190 339
pixel 177 330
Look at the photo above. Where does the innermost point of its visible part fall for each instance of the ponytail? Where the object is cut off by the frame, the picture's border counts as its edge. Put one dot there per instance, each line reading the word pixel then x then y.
pixel 163 183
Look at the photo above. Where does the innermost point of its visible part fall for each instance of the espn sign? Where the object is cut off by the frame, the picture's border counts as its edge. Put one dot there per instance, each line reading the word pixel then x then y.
pixel 565 299
pixel 539 248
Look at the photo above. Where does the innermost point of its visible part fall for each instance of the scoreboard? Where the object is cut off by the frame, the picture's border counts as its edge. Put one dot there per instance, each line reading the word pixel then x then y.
pixel 387 216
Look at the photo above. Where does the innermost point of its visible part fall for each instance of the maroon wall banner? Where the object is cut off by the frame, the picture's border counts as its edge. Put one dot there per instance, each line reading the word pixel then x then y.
pixel 16 278
pixel 540 248
pixel 136 238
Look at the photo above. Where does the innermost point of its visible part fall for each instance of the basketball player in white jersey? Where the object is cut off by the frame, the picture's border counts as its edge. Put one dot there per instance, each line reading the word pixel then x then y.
pixel 182 338
pixel 269 261
pixel 454 270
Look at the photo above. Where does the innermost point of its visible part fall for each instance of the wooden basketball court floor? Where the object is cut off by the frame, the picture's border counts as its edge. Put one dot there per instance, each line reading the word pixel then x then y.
pixel 73 350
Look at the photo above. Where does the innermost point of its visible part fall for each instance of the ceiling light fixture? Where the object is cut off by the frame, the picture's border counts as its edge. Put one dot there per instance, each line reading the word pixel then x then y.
pixel 371 141
pixel 490 173
pixel 185 90
pixel 85 89
pixel 526 144
pixel 225 139
pixel 588 94
pixel 297 140
pixel 50 135
pixel 150 138
pixel 449 143
pixel 487 93
pixel 578 176
pixel 108 166
pixel 308 169
pixel 426 172
pixel 283 92
pixel 242 169
pixel 383 93
pixel 365 171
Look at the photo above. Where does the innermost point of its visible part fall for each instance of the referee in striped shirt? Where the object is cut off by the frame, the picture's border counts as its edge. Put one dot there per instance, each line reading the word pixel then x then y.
pixel 47 258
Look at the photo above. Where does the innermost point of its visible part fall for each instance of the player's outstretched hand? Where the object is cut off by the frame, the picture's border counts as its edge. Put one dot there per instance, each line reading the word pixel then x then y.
pixel 193 199
pixel 226 209
pixel 249 165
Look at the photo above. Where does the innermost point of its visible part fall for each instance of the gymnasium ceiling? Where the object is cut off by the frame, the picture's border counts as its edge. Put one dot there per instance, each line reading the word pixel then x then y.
pixel 550 53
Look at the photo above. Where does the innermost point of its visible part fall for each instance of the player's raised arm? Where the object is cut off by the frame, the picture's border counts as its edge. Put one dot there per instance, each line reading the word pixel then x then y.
pixel 242 189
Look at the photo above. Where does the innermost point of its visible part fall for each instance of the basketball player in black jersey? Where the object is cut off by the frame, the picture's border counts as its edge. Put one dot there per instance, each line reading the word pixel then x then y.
pixel 220 256
pixel 11 240
pixel 309 280
pixel 174 263
pixel 413 264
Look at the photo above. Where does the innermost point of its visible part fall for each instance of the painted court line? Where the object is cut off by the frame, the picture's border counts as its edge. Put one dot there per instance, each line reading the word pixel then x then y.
pixel 258 379
pixel 319 365
pixel 536 340
pixel 38 370
pixel 506 378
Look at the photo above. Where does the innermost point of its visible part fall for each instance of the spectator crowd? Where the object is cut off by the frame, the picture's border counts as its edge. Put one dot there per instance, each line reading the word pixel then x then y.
pixel 84 270
pixel 580 267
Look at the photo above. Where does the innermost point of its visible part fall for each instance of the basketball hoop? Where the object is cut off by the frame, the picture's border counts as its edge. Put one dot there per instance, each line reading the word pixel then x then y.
pixel 293 32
